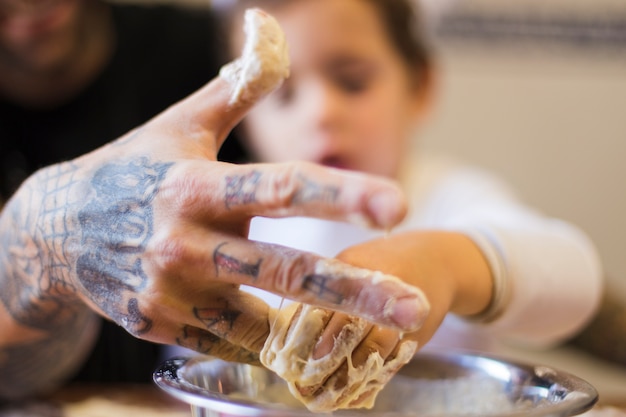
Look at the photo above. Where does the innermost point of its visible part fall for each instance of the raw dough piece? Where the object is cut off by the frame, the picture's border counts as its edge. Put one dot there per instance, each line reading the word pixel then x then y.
pixel 294 332
pixel 264 62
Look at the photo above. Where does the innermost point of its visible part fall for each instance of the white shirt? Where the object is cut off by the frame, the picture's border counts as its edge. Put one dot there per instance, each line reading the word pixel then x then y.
pixel 552 269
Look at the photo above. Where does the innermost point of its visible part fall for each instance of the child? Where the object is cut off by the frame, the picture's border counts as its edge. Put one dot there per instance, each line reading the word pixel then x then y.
pixel 361 83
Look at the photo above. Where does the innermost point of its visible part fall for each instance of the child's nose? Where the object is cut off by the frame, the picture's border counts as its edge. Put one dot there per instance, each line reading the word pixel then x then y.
pixel 323 104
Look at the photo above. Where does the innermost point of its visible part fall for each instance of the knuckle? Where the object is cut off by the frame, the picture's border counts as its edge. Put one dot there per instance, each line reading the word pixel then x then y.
pixel 169 250
pixel 284 184
pixel 290 275
pixel 181 193
pixel 383 341
pixel 135 321
pixel 374 345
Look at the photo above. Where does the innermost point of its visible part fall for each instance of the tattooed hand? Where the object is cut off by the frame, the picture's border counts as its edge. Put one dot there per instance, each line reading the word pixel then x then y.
pixel 150 232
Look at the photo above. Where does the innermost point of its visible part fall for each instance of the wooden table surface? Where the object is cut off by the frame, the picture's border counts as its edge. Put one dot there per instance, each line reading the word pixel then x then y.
pixel 102 401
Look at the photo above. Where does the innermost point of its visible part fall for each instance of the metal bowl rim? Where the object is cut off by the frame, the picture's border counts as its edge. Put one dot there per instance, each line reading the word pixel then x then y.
pixel 168 377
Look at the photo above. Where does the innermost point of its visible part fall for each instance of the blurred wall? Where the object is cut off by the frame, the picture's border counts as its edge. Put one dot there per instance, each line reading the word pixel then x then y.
pixel 538 94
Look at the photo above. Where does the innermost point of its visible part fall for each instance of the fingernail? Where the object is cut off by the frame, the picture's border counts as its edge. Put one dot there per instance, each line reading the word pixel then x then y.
pixel 410 313
pixel 387 208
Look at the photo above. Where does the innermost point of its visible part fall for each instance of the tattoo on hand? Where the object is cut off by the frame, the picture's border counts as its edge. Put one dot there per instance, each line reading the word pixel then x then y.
pixel 207 343
pixel 318 284
pixel 311 191
pixel 232 264
pixel 218 320
pixel 35 280
pixel 37 291
pixel 241 189
pixel 116 227
pixel 135 322
pixel 197 339
pixel 40 253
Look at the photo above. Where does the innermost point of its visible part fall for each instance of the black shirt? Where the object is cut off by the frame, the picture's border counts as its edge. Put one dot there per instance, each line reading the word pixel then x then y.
pixel 162 55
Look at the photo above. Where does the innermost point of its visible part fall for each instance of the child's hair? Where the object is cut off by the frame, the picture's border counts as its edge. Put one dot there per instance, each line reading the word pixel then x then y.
pixel 400 18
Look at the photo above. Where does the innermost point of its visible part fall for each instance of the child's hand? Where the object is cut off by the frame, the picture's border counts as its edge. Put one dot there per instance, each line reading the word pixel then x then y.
pixel 448 267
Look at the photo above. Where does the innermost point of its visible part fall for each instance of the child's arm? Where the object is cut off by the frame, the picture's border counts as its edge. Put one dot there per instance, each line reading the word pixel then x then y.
pixel 547 275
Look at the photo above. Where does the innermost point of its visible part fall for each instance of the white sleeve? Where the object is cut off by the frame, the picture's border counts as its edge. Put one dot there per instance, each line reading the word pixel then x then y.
pixel 551 268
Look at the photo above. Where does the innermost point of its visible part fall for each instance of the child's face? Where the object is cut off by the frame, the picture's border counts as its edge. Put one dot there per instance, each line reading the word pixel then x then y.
pixel 349 101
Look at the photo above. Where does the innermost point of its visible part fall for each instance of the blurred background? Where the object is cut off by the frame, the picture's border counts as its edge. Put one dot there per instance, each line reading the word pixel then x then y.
pixel 536 91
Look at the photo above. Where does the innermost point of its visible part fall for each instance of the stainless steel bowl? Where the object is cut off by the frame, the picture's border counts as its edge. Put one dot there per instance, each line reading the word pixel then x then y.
pixel 432 384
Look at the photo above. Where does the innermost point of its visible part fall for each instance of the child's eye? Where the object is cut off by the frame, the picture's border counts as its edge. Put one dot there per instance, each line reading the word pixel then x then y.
pixel 352 83
pixel 352 75
pixel 284 95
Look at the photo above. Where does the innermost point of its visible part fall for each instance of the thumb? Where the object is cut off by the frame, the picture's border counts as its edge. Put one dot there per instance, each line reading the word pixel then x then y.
pixel 212 112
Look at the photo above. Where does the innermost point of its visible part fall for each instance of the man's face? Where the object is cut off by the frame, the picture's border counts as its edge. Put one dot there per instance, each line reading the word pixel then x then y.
pixel 38 35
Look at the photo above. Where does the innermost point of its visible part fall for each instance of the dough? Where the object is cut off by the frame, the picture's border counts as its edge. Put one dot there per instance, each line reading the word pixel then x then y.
pixel 264 62
pixel 294 332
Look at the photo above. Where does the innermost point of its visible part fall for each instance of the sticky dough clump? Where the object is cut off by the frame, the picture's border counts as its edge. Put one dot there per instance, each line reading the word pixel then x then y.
pixel 288 351
pixel 264 62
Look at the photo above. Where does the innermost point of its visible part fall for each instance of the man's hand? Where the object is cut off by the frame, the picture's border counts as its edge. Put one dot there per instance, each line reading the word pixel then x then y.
pixel 150 231
pixel 163 243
